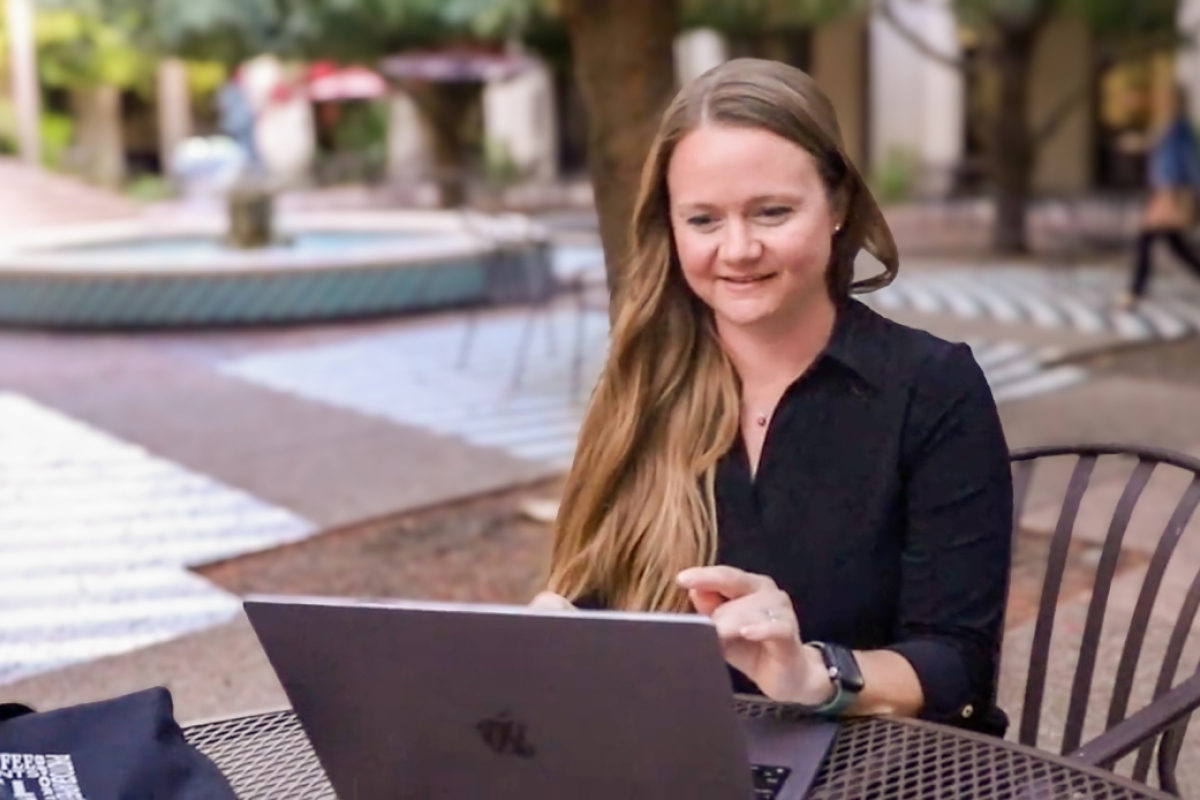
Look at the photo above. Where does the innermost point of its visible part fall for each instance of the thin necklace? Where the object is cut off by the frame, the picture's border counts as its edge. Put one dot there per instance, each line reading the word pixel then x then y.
pixel 760 418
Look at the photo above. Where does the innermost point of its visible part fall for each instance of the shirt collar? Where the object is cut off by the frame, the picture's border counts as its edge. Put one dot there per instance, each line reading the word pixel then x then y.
pixel 855 342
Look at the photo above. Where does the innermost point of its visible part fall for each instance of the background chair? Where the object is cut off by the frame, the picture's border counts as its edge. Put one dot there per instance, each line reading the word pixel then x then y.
pixel 541 291
pixel 1123 474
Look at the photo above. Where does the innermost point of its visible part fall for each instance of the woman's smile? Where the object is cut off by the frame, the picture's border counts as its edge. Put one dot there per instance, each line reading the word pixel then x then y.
pixel 746 281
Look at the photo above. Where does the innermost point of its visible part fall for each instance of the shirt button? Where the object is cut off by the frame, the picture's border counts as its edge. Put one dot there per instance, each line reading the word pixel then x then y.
pixel 967 711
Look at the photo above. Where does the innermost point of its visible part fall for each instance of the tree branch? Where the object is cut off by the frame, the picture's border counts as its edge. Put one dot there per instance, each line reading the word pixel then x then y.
pixel 916 40
pixel 1061 113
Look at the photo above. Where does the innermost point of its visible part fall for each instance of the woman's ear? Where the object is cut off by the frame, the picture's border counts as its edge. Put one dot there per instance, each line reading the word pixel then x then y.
pixel 839 208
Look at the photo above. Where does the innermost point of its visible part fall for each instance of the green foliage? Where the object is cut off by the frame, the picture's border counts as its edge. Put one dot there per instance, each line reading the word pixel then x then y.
pixel 77 50
pixel 356 148
pixel 205 77
pixel 500 167
pixel 149 188
pixel 744 16
pixel 350 31
pixel 227 31
pixel 58 131
pixel 1126 28
pixel 8 127
pixel 895 177
pixel 1112 20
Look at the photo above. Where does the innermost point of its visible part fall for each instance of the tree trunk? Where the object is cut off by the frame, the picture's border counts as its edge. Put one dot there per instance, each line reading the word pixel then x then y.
pixel 624 62
pixel 99 143
pixel 26 92
pixel 174 110
pixel 1013 149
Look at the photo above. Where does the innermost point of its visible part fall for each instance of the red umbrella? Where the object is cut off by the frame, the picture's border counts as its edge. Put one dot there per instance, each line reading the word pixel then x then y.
pixel 327 82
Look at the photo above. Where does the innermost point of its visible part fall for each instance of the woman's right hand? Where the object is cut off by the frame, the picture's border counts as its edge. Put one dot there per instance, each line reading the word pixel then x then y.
pixel 549 601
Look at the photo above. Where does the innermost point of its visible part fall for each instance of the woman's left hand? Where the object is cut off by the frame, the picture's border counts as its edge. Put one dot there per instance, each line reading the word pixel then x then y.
pixel 759 632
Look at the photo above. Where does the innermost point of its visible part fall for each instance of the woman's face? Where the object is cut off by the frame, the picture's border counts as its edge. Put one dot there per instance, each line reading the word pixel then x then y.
pixel 753 225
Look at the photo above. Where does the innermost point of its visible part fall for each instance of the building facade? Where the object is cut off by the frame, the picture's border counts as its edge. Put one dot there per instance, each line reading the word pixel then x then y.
pixel 914 120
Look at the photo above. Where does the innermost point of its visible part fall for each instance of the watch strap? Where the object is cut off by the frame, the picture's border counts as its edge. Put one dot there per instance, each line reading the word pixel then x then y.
pixel 843 674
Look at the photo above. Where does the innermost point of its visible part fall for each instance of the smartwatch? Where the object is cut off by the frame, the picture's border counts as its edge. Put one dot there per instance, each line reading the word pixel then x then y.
pixel 847 679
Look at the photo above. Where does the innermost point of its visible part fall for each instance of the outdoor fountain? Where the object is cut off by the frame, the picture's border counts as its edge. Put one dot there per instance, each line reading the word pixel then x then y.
pixel 251 268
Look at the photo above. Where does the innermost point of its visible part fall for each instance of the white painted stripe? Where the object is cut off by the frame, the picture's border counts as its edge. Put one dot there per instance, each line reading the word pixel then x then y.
pixel 25 591
pixel 1130 325
pixel 1037 308
pixel 563 412
pixel 556 450
pixel 524 435
pixel 129 612
pixel 999 353
pixel 95 534
pixel 999 377
pixel 1187 312
pixel 919 297
pixel 1042 383
pixel 1166 325
pixel 1081 316
pixel 1081 300
pixel 57 561
pixel 997 304
pixel 959 301
pixel 143 532
pixel 887 298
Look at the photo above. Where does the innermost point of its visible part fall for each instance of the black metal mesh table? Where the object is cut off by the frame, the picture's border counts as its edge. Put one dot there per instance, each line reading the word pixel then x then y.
pixel 268 757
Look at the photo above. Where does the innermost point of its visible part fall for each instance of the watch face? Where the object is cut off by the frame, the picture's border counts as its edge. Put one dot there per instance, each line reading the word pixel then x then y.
pixel 848 674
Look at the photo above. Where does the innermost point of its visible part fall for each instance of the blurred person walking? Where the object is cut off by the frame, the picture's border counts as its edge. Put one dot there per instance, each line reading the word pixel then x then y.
pixel 238 117
pixel 1174 177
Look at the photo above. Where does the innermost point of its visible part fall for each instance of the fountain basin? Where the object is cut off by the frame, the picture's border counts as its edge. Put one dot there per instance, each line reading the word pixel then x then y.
pixel 150 273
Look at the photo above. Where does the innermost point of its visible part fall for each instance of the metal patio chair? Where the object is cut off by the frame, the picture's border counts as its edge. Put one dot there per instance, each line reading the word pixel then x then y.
pixel 585 289
pixel 1159 728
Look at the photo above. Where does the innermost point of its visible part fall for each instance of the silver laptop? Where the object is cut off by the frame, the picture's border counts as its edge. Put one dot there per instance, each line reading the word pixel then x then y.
pixel 437 700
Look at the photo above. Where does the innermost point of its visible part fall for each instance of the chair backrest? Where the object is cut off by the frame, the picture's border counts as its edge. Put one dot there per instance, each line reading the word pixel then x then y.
pixel 1146 462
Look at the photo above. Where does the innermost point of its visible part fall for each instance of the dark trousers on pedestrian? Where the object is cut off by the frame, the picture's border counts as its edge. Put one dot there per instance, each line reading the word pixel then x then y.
pixel 1145 244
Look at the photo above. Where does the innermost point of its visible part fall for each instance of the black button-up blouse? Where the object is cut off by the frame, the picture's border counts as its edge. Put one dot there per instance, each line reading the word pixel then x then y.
pixel 882 505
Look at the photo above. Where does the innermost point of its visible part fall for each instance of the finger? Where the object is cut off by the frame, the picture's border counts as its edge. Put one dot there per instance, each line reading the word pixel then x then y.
pixel 768 630
pixel 704 602
pixel 732 629
pixel 772 606
pixel 729 582
pixel 549 601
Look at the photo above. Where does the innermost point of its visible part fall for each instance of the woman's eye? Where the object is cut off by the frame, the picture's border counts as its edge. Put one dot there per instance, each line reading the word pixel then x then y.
pixel 775 212
pixel 701 221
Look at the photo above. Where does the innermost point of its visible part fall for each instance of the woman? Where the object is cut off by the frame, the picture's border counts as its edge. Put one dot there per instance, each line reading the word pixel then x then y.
pixel 1174 178
pixel 828 486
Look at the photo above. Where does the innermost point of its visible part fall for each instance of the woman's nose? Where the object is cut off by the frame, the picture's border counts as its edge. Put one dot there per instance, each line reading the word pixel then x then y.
pixel 740 244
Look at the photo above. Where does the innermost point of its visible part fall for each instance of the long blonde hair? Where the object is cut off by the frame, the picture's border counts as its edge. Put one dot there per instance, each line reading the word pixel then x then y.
pixel 639 502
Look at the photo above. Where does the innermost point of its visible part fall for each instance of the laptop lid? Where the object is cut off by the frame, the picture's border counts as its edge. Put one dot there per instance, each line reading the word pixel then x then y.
pixel 440 700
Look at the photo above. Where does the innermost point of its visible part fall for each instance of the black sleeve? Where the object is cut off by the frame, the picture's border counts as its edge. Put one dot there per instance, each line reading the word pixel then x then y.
pixel 958 550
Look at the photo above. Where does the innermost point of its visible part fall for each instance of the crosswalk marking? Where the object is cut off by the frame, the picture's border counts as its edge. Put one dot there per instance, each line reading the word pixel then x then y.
pixel 95 538
pixel 412 377
pixel 1079 299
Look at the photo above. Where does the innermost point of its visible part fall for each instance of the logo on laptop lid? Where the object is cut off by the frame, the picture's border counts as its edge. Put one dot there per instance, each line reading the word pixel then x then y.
pixel 506 736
